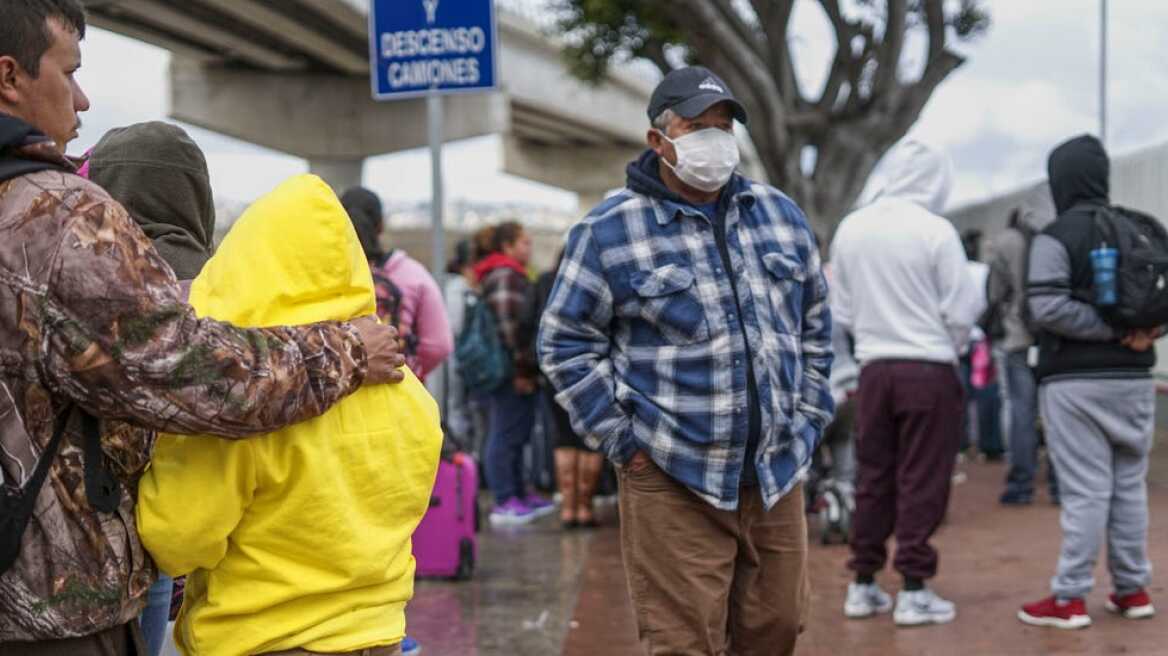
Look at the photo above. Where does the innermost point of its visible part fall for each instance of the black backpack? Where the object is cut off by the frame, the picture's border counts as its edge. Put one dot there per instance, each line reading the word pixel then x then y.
pixel 1141 274
pixel 17 502
pixel 389 301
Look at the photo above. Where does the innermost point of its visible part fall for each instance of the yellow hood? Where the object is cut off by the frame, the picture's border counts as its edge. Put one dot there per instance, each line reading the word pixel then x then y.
pixel 299 538
pixel 292 258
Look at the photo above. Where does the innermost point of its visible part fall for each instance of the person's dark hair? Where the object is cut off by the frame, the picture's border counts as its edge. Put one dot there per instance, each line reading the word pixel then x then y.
pixel 971 239
pixel 24 28
pixel 461 259
pixel 482 243
pixel 364 209
pixel 1015 218
pixel 504 234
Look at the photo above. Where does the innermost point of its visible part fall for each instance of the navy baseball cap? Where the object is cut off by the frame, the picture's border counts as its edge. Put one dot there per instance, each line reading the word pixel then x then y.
pixel 690 91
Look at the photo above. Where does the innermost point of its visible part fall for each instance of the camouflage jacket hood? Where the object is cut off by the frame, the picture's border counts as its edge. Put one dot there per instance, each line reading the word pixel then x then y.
pixel 92 317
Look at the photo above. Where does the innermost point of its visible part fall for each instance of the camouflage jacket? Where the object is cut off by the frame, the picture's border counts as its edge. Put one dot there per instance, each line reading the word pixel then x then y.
pixel 92 317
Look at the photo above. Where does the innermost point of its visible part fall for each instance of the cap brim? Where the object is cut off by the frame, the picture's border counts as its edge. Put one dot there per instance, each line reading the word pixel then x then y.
pixel 694 107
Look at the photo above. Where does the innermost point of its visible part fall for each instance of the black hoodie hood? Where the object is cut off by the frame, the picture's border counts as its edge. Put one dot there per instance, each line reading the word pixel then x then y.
pixel 364 208
pixel 16 135
pixel 1079 171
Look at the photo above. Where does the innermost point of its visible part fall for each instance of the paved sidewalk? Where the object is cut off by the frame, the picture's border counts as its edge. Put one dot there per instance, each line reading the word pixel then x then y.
pixel 540 591
pixel 992 560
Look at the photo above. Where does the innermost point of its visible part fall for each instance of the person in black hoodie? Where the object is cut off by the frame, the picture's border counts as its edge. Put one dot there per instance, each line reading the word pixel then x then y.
pixel 1097 401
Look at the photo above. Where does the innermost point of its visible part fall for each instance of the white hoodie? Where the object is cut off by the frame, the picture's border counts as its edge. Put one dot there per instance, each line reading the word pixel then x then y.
pixel 902 288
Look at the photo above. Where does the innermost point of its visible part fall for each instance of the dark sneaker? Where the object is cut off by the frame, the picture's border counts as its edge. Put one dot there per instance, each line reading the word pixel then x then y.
pixel 1016 499
pixel 1135 606
pixel 1070 614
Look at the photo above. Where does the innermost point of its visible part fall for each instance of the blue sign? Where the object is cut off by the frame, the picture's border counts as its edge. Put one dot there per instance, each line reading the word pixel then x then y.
pixel 423 46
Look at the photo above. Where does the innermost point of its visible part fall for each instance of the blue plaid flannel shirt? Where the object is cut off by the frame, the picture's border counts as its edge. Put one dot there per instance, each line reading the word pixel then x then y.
pixel 641 341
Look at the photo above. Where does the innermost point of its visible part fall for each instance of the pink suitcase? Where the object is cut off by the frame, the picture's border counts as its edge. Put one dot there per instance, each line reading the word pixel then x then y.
pixel 445 545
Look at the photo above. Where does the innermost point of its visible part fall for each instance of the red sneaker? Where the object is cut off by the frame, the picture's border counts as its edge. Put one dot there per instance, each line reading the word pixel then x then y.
pixel 1070 614
pixel 1135 606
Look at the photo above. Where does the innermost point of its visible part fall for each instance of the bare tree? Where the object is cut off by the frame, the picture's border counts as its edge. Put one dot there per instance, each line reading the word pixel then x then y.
pixel 865 106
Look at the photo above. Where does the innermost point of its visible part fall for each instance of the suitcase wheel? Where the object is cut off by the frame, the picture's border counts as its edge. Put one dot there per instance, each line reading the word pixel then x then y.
pixel 466 560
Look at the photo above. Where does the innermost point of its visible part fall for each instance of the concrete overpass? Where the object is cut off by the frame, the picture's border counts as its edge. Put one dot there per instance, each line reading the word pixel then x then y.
pixel 293 75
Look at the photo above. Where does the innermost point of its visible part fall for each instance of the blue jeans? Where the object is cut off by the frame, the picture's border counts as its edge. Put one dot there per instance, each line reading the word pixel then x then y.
pixel 1023 390
pixel 510 420
pixel 156 615
pixel 987 403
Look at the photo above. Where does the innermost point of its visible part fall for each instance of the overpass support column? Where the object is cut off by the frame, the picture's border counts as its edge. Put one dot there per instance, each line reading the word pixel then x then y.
pixel 340 174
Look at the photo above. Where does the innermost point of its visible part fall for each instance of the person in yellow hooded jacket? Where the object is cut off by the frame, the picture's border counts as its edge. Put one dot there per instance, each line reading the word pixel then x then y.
pixel 296 541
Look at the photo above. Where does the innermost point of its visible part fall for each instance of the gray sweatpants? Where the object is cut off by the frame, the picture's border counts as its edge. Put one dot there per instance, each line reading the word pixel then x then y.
pixel 1099 432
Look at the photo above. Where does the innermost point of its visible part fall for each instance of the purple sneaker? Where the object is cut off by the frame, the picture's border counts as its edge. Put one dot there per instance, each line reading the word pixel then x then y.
pixel 512 512
pixel 539 505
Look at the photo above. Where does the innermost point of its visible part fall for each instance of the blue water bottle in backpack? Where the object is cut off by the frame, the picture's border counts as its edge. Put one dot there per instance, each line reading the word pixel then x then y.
pixel 1104 262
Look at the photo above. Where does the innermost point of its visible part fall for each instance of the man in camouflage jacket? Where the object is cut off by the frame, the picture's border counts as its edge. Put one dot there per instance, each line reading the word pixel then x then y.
pixel 92 319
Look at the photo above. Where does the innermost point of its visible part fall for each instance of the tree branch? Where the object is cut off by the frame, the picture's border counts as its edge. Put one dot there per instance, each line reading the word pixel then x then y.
pixel 707 25
pixel 935 19
pixel 775 16
pixel 745 33
pixel 856 68
pixel 654 51
pixel 891 46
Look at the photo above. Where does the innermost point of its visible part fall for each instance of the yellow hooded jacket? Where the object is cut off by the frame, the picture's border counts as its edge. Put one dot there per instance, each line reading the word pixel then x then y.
pixel 299 538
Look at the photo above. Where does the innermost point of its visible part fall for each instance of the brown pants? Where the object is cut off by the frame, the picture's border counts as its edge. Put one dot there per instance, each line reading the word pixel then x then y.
pixel 124 640
pixel 712 582
pixel 392 650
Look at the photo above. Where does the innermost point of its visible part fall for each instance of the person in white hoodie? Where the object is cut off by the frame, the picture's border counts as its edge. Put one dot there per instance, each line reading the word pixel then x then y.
pixel 902 290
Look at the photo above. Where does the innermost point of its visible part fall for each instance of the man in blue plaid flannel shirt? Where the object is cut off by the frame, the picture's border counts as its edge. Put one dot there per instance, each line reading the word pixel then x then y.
pixel 689 337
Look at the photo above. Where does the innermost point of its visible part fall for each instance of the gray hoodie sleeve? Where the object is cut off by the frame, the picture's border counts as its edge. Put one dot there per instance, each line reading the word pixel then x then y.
pixel 1049 292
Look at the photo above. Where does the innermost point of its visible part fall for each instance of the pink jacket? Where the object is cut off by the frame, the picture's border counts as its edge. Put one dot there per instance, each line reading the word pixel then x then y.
pixel 423 312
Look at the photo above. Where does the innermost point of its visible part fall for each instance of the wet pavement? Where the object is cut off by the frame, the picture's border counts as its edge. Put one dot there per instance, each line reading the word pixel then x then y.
pixel 522 597
pixel 540 591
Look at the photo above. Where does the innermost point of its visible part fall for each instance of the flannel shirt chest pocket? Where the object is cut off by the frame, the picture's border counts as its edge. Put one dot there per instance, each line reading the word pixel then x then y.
pixel 786 276
pixel 668 301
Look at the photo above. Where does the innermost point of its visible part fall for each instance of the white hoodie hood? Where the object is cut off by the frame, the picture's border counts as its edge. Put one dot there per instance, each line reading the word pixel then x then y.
pixel 902 287
pixel 919 174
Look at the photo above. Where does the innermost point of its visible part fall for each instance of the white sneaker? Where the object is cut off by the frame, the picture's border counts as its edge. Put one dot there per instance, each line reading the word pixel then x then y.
pixel 922 607
pixel 866 600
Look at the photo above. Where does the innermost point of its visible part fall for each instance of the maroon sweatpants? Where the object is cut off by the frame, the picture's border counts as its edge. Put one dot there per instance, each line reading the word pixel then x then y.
pixel 908 434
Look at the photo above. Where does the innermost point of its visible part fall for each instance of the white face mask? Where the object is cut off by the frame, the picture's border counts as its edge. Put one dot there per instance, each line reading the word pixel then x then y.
pixel 705 159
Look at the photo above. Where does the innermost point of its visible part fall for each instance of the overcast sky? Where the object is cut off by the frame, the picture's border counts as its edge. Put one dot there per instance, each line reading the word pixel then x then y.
pixel 1028 84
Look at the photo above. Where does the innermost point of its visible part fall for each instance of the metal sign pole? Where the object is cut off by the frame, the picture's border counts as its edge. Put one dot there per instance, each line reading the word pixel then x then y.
pixel 1103 72
pixel 437 199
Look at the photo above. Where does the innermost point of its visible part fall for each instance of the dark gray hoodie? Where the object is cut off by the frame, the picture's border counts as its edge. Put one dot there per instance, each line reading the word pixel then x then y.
pixel 158 173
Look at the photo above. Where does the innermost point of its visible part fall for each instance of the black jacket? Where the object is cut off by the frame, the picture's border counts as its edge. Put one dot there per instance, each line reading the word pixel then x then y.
pixel 15 133
pixel 1079 173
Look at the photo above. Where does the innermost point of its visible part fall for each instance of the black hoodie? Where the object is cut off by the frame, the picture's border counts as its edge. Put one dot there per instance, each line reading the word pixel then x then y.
pixel 1079 173
pixel 15 133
